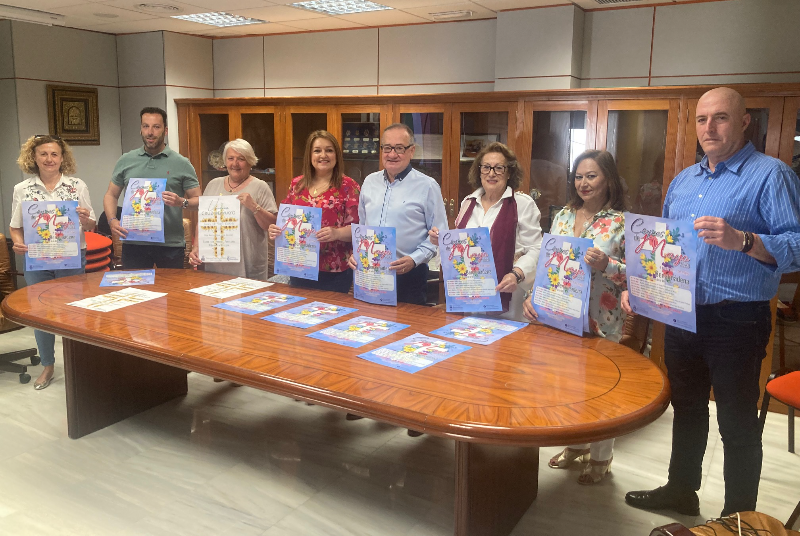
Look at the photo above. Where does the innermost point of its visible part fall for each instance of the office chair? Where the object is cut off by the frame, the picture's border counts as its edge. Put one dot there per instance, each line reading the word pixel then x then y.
pixel 7 286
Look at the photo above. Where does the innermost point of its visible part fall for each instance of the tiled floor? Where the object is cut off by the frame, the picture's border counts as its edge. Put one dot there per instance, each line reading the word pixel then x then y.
pixel 236 461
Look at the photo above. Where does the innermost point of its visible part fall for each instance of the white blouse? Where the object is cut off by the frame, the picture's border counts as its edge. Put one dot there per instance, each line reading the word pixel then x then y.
pixel 67 189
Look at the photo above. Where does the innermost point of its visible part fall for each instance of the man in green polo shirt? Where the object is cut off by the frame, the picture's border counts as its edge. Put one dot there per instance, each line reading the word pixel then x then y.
pixel 154 161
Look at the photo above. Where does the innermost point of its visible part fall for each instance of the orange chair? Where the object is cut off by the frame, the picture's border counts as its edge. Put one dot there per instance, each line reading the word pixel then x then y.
pixel 784 386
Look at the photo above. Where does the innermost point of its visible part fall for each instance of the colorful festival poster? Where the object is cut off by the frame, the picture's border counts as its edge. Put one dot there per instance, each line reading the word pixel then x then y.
pixel 218 238
pixel 414 353
pixel 468 268
pixel 309 315
pixel 297 247
pixel 143 210
pixel 358 331
pixel 112 301
pixel 661 256
pixel 128 279
pixel 259 303
pixel 479 330
pixel 231 287
pixel 374 249
pixel 52 232
pixel 563 280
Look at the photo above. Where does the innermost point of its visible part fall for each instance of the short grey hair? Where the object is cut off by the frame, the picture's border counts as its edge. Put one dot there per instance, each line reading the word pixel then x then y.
pixel 243 148
pixel 405 127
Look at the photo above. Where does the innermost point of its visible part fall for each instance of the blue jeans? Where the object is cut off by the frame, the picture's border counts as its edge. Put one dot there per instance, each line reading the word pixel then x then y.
pixel 46 342
pixel 725 354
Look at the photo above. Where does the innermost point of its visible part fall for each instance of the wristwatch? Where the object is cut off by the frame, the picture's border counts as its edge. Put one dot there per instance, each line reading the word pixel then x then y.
pixel 520 278
pixel 185 203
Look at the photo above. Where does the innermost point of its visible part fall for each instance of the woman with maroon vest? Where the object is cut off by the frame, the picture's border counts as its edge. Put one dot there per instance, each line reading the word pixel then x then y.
pixel 512 219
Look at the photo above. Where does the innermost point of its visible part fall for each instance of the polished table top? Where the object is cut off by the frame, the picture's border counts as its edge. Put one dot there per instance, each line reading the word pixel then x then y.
pixel 536 387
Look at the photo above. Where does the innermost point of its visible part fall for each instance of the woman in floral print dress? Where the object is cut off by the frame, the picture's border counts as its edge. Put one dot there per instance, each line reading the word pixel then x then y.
pixel 324 185
pixel 594 210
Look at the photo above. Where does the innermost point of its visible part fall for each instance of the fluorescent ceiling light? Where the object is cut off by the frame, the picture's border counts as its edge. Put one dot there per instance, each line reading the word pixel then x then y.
pixel 220 19
pixel 340 7
pixel 31 15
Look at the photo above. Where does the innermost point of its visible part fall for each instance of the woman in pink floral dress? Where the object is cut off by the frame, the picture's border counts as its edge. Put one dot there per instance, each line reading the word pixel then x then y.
pixel 324 185
pixel 594 210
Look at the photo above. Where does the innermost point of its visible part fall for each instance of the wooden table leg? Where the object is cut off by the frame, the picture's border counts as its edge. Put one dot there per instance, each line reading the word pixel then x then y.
pixel 104 386
pixel 495 486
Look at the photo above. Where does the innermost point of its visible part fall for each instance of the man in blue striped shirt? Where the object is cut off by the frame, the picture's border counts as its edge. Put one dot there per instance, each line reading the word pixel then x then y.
pixel 746 209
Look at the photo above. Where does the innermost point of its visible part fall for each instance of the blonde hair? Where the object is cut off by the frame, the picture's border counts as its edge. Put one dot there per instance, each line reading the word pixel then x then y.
pixel 27 155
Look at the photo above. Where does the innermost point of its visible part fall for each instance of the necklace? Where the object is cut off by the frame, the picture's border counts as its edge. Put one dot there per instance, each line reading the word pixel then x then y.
pixel 321 190
pixel 231 187
pixel 587 218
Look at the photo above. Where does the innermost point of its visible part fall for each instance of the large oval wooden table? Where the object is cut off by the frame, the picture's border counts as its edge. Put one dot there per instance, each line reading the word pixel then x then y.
pixel 535 387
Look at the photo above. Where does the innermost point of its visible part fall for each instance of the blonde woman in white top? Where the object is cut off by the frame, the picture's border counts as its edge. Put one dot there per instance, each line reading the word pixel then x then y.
pixel 50 160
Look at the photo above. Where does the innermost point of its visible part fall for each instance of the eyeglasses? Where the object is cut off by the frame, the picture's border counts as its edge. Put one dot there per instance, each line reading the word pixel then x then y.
pixel 498 169
pixel 399 149
pixel 51 136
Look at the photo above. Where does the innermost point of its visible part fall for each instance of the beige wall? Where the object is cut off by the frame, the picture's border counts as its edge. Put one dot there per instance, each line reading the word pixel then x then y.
pixel 92 63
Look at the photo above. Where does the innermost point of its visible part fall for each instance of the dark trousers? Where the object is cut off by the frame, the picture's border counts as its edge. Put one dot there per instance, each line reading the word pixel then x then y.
pixel 143 257
pixel 725 354
pixel 335 281
pixel 412 287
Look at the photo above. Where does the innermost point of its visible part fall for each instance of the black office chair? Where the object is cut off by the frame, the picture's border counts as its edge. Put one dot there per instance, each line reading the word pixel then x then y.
pixel 7 286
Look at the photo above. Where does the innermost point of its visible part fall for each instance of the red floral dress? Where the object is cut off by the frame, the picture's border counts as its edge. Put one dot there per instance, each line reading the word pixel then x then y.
pixel 607 230
pixel 339 208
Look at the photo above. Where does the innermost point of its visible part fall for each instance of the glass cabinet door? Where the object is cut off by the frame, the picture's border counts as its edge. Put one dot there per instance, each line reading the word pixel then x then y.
pixel 259 130
pixel 474 127
pixel 428 128
pixel 557 137
pixel 790 135
pixel 636 133
pixel 214 134
pixel 360 139
pixel 303 123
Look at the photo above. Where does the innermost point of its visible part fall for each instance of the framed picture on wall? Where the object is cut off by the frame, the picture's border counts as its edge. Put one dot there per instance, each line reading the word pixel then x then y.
pixel 72 113
pixel 472 144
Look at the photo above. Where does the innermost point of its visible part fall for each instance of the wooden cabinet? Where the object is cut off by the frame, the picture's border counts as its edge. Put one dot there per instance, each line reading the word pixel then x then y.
pixel 649 130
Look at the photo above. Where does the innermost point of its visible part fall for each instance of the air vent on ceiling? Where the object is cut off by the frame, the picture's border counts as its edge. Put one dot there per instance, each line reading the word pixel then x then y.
pixel 606 2
pixel 161 9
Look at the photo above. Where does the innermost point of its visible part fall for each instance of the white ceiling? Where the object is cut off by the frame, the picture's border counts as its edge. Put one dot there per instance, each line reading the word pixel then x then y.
pixel 124 16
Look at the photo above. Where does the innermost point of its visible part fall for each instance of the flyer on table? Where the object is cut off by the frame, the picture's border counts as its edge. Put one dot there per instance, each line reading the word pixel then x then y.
pixel 661 265
pixel 143 210
pixel 374 249
pixel 479 330
pixel 218 238
pixel 358 331
pixel 560 294
pixel 231 287
pixel 128 279
pixel 259 303
pixel 414 353
pixel 468 269
pixel 309 315
pixel 297 247
pixel 118 299
pixel 52 232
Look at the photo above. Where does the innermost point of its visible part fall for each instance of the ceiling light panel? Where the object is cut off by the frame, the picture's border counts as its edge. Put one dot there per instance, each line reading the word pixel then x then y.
pixel 340 7
pixel 220 19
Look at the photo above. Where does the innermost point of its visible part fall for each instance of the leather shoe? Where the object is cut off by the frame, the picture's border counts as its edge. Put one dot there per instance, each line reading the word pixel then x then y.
pixel 413 433
pixel 665 498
